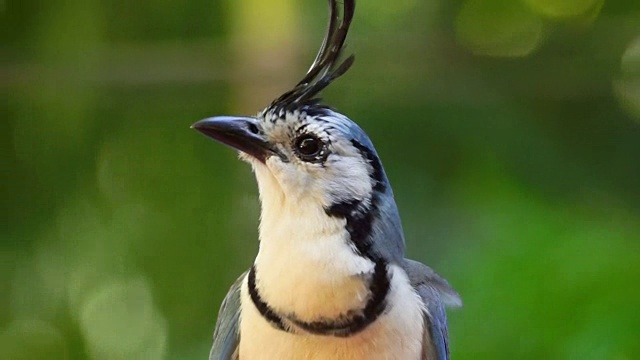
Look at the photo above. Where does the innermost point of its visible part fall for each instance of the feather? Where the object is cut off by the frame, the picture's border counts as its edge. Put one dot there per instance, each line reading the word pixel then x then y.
pixel 226 337
pixel 326 67
pixel 435 293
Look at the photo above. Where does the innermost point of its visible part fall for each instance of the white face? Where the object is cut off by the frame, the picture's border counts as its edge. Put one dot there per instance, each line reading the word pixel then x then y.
pixel 318 163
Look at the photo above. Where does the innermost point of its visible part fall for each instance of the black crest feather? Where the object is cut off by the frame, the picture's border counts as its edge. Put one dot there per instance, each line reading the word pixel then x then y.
pixel 327 65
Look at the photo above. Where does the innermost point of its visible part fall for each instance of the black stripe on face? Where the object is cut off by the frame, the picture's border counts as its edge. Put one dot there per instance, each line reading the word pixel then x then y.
pixel 359 221
pixel 377 175
pixel 265 310
pixel 354 322
pixel 360 217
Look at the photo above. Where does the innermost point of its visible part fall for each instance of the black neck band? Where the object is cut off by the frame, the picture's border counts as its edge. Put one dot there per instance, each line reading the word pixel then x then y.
pixel 265 310
pixel 343 326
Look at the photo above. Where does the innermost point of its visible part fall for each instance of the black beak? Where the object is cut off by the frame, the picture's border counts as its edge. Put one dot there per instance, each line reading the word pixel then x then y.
pixel 240 133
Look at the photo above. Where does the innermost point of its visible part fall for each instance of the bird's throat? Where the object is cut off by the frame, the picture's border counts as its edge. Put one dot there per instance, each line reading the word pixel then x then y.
pixel 308 274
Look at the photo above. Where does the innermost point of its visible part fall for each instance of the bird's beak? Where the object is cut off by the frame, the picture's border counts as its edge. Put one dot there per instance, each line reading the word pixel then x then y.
pixel 240 133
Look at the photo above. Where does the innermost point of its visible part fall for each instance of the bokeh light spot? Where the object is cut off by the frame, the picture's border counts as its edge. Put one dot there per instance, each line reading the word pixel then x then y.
pixel 627 86
pixel 560 9
pixel 120 321
pixel 630 63
pixel 499 28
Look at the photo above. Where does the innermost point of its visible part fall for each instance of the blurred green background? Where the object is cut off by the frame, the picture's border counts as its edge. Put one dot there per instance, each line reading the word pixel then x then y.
pixel 510 131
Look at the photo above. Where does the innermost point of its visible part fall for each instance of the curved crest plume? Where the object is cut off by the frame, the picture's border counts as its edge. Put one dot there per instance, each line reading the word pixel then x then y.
pixel 326 67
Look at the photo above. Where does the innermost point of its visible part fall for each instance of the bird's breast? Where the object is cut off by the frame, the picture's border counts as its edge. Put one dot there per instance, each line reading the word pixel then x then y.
pixel 397 334
pixel 308 268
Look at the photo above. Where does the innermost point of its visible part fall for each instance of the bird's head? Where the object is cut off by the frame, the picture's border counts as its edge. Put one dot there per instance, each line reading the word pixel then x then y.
pixel 305 152
pixel 320 155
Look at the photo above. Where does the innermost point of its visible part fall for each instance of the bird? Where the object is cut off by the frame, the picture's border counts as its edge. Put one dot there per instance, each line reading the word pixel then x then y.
pixel 330 279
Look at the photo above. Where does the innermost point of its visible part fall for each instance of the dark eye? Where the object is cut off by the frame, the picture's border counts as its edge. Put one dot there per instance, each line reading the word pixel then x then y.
pixel 309 147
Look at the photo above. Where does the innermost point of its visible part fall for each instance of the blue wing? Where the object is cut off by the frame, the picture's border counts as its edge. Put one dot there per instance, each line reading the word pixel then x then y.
pixel 435 293
pixel 226 336
pixel 436 332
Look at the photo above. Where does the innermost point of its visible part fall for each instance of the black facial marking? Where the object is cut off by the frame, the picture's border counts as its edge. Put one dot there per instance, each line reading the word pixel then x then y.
pixel 377 175
pixel 359 224
pixel 359 216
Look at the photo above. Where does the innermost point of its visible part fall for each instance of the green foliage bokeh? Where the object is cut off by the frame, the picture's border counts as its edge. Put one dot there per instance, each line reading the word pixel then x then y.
pixel 510 132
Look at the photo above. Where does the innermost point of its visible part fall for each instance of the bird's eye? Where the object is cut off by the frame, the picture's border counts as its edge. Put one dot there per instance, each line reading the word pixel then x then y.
pixel 309 147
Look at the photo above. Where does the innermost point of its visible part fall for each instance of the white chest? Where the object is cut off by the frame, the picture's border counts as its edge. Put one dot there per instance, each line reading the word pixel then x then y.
pixel 306 264
pixel 396 334
pixel 307 267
